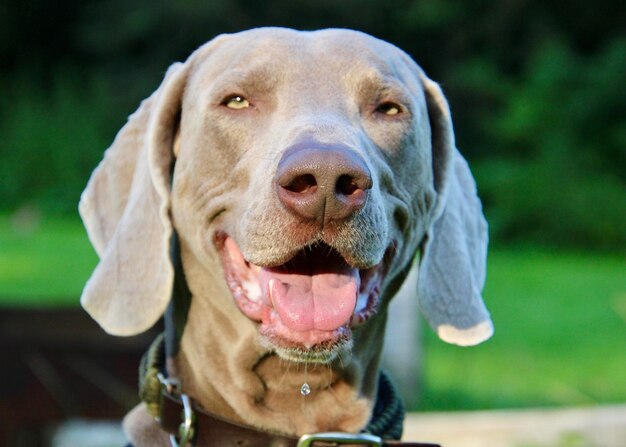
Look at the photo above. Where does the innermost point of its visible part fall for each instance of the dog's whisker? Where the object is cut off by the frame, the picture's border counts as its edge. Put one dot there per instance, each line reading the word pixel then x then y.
pixel 329 370
pixel 340 359
pixel 285 368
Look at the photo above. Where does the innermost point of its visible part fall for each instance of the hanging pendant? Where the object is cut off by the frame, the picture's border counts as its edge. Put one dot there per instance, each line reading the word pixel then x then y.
pixel 305 389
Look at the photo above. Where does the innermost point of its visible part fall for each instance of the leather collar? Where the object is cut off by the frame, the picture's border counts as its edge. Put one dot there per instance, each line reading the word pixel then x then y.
pixel 210 430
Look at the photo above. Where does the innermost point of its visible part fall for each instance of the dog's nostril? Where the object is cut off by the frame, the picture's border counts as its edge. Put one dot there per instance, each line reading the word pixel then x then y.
pixel 302 184
pixel 346 185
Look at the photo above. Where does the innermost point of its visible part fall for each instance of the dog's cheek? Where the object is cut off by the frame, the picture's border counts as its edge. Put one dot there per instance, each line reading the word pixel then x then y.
pixel 389 136
pixel 209 176
pixel 413 186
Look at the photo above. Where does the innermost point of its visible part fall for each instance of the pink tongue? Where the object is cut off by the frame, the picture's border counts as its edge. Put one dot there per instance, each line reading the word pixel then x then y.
pixel 322 299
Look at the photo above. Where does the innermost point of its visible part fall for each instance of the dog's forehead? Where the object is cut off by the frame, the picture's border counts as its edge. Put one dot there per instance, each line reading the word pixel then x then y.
pixel 305 53
pixel 340 44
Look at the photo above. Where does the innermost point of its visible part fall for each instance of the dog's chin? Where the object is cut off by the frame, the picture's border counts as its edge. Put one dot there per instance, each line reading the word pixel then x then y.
pixel 323 353
pixel 306 307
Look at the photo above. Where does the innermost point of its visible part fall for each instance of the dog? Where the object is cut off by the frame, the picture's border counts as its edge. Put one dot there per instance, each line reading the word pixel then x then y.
pixel 302 173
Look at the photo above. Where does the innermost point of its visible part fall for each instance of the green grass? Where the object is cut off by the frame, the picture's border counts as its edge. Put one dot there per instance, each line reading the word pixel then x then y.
pixel 560 320
pixel 560 336
pixel 43 262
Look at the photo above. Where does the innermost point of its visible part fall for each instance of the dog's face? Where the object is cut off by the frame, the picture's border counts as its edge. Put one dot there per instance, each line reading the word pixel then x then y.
pixel 310 178
pixel 309 169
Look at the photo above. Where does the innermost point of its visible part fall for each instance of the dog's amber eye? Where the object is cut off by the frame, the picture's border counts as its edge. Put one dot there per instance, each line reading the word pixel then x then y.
pixel 389 108
pixel 236 102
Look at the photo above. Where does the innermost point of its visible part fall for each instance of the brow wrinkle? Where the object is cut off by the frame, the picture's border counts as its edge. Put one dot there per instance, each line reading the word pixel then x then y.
pixel 253 81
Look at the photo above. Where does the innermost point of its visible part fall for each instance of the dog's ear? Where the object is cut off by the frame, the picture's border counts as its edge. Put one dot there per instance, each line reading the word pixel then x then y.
pixel 454 251
pixel 126 208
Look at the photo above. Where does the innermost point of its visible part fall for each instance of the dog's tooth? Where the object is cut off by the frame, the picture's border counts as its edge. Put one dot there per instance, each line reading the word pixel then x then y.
pixel 253 291
pixel 270 286
pixel 361 303
pixel 273 285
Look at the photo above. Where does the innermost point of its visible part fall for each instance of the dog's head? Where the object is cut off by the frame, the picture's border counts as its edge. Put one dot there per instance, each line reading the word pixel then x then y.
pixel 308 171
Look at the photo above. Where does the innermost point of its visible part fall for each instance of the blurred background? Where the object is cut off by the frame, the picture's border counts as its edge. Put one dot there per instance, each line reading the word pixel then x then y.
pixel 538 96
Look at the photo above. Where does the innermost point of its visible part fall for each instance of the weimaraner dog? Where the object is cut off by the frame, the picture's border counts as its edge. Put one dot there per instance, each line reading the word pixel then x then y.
pixel 302 173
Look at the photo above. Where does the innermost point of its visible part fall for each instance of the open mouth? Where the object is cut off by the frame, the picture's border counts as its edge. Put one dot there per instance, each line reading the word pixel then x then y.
pixel 307 306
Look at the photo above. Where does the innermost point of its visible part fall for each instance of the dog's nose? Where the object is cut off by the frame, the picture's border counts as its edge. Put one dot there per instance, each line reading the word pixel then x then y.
pixel 322 183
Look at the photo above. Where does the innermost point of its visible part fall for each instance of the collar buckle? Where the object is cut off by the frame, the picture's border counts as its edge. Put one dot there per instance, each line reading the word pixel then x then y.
pixel 340 438
pixel 186 429
pixel 170 385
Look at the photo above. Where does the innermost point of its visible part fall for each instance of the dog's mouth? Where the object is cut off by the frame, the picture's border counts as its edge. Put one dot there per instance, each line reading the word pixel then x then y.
pixel 307 306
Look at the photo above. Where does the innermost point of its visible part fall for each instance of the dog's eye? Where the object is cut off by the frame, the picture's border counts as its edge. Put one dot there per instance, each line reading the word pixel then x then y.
pixel 389 108
pixel 236 102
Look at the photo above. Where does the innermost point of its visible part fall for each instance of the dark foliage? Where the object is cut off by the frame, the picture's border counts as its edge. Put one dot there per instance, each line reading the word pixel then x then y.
pixel 536 88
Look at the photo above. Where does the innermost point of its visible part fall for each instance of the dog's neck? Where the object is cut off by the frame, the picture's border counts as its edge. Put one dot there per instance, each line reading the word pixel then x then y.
pixel 223 366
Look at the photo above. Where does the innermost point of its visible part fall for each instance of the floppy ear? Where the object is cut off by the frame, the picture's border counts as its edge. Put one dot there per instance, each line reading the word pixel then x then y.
pixel 125 209
pixel 454 251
